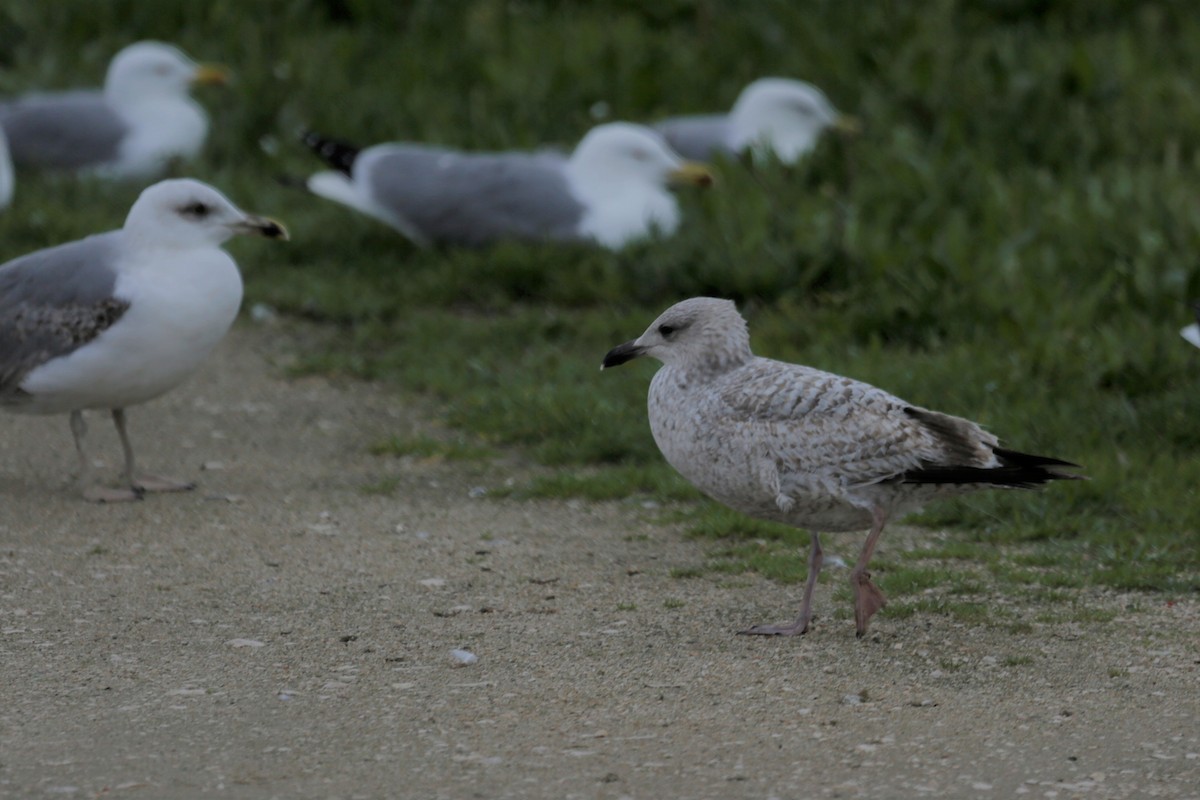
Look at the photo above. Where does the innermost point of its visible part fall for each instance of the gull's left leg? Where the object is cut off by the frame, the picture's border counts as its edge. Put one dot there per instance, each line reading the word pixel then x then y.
pixel 867 597
pixel 815 558
pixel 145 483
pixel 90 491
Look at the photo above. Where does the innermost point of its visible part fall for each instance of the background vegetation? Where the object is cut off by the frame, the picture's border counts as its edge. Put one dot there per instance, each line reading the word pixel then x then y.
pixel 1012 239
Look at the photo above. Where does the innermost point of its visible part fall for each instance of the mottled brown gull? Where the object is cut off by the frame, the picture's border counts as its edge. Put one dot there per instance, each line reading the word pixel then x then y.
pixel 612 189
pixel 118 318
pixel 792 444
pixel 133 128
pixel 771 115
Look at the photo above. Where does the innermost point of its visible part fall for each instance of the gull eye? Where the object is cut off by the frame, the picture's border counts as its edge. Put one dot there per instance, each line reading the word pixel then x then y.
pixel 162 69
pixel 195 210
pixel 665 330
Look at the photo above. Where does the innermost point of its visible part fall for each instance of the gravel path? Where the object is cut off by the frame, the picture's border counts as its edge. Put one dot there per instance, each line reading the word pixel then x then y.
pixel 281 632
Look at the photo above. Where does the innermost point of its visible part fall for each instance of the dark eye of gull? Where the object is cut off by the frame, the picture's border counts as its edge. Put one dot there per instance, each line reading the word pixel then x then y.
pixel 195 210
pixel 665 330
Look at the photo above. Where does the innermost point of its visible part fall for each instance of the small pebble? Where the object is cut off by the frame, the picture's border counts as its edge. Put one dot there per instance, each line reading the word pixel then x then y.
pixel 463 657
pixel 245 643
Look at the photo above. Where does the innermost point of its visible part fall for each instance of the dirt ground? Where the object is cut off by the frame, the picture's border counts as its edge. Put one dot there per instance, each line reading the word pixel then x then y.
pixel 283 633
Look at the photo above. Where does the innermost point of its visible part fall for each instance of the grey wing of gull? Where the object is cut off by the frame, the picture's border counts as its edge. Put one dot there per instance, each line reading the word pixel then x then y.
pixel 815 423
pixel 472 200
pixel 54 301
pixel 69 130
pixel 697 138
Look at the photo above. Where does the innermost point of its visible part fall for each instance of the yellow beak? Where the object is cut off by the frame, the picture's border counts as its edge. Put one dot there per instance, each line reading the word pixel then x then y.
pixel 211 75
pixel 262 226
pixel 690 173
pixel 847 125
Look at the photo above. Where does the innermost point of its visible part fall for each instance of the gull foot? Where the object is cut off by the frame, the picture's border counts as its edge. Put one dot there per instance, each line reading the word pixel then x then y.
pixel 103 494
pixel 157 483
pixel 797 628
pixel 867 600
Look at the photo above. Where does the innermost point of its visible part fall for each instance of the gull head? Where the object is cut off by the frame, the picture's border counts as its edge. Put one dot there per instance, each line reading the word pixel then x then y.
pixel 148 70
pixel 785 117
pixel 624 152
pixel 185 213
pixel 703 333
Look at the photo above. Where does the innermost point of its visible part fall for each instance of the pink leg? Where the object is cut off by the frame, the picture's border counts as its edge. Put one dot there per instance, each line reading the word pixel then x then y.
pixel 91 492
pixel 867 597
pixel 143 483
pixel 815 559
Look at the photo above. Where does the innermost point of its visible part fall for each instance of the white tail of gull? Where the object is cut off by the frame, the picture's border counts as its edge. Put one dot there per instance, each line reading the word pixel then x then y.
pixel 133 128
pixel 793 444
pixel 612 189
pixel 118 318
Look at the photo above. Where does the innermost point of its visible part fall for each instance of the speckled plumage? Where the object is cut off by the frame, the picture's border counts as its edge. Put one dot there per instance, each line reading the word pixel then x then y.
pixel 797 445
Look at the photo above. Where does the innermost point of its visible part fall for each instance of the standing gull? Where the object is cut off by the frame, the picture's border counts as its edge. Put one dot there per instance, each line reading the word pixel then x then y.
pixel 612 189
pixel 133 128
pixel 119 318
pixel 792 444
pixel 776 115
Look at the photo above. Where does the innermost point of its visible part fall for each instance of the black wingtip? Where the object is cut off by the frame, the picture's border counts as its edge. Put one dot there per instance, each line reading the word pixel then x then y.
pixel 1017 470
pixel 336 153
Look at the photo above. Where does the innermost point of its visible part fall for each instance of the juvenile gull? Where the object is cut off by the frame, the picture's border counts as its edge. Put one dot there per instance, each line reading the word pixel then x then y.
pixel 776 115
pixel 612 189
pixel 793 444
pixel 133 128
pixel 120 317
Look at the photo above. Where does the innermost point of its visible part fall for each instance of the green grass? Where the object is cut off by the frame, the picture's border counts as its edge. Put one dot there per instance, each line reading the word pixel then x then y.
pixel 1013 238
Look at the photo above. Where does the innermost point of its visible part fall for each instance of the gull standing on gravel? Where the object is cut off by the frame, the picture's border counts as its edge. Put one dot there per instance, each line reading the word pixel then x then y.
pixel 612 189
pixel 118 318
pixel 772 115
pixel 792 444
pixel 133 128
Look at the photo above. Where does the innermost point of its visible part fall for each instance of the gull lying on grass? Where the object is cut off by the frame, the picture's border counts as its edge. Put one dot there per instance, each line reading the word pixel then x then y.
pixel 777 115
pixel 793 444
pixel 133 128
pixel 1192 332
pixel 612 189
pixel 7 180
pixel 118 318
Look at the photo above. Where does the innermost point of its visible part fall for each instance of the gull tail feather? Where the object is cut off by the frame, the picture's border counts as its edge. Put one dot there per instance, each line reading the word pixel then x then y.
pixel 1017 470
pixel 336 153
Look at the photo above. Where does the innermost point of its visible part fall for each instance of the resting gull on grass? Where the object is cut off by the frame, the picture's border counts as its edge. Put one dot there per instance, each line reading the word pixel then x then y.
pixel 133 128
pixel 7 181
pixel 1192 332
pixel 776 115
pixel 118 318
pixel 792 444
pixel 612 189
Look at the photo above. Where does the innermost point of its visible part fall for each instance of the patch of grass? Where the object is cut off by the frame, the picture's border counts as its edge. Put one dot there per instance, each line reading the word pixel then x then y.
pixel 672 603
pixel 382 487
pixel 656 481
pixel 626 606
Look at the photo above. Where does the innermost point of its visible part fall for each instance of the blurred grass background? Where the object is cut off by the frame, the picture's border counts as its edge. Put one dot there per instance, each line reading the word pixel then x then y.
pixel 1012 239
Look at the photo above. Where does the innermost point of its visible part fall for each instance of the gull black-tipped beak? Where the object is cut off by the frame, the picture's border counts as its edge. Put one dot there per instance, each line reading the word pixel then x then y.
pixel 622 353
pixel 263 226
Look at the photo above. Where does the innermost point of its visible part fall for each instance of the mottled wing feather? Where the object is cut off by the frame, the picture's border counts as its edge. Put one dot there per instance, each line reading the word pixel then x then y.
pixel 476 199
pixel 822 426
pixel 70 130
pixel 53 302
pixel 699 138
